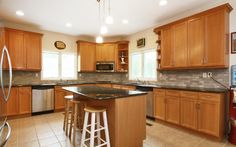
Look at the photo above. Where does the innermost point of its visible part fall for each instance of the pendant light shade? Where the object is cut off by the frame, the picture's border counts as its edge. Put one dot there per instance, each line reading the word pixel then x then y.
pixel 99 39
pixel 103 30
pixel 109 20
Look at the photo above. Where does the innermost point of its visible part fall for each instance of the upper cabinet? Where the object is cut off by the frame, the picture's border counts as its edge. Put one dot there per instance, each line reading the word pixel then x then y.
pixel 106 52
pixel 86 56
pixel 199 41
pixel 25 49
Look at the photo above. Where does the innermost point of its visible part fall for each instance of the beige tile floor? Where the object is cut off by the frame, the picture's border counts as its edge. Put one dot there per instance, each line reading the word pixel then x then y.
pixel 46 131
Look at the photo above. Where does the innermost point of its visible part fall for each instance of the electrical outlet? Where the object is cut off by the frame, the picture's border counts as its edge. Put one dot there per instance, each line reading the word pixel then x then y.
pixel 209 74
pixel 204 75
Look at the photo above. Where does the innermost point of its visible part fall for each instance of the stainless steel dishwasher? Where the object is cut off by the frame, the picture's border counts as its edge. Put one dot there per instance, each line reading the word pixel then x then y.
pixel 42 99
pixel 149 101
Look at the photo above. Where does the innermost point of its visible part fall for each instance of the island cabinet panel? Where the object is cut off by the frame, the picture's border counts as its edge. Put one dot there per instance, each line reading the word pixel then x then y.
pixel 33 46
pixel 196 50
pixel 210 114
pixel 86 56
pixel 60 97
pixel 159 104
pixel 180 44
pixel 13 102
pixel 198 41
pixel 216 46
pixel 25 97
pixel 16 48
pixel 104 85
pixel 167 50
pixel 189 109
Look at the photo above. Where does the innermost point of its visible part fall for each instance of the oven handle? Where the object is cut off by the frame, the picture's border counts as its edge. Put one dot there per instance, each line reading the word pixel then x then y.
pixel 8 135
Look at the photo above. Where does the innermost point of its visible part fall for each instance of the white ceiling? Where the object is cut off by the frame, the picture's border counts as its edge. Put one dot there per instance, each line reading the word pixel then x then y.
pixel 52 15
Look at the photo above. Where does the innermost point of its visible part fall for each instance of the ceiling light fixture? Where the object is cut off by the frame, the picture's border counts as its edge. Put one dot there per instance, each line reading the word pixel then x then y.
pixel 125 21
pixel 103 30
pixel 20 13
pixel 68 25
pixel 99 38
pixel 109 18
pixel 163 2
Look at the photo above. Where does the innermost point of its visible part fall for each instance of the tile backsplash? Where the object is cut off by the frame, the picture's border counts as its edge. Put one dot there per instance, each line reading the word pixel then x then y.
pixel 190 78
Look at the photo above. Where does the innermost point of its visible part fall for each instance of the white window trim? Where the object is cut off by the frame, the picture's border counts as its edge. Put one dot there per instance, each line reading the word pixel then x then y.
pixel 59 67
pixel 142 51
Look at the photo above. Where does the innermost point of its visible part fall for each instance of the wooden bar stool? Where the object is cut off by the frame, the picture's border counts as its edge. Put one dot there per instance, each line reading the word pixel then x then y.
pixel 67 117
pixel 95 113
pixel 76 119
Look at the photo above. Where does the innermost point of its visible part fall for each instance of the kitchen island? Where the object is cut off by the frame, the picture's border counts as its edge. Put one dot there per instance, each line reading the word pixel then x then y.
pixel 126 112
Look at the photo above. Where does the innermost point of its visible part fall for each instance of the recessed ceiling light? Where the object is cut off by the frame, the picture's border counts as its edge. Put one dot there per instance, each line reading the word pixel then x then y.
pixel 20 13
pixel 125 21
pixel 163 2
pixel 68 24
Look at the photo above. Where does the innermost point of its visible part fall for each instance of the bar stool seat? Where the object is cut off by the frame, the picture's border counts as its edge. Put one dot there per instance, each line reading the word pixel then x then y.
pixel 95 128
pixel 67 117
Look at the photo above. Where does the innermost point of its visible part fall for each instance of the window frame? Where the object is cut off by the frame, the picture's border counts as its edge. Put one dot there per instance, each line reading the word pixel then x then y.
pixel 60 66
pixel 142 52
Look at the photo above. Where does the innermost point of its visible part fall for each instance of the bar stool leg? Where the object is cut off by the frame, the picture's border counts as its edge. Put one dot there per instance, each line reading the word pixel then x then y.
pixel 67 118
pixel 75 117
pixel 92 130
pixel 72 120
pixel 106 128
pixel 98 126
pixel 84 128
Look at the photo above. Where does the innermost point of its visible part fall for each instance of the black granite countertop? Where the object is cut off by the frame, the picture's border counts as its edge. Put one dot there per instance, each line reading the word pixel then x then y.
pixel 102 93
pixel 174 87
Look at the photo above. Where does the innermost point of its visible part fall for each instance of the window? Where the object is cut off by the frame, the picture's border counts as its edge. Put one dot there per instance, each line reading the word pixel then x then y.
pixel 59 66
pixel 143 65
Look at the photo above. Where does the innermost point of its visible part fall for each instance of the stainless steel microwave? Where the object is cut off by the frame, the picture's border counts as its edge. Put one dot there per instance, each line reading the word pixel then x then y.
pixel 105 66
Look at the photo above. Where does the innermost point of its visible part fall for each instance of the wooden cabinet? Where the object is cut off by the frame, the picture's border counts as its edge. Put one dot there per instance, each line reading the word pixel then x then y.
pixel 167 50
pixel 180 44
pixel 104 85
pixel 25 97
pixel 106 52
pixel 86 56
pixel 59 98
pixel 196 49
pixel 198 41
pixel 124 87
pixel 24 48
pixel 13 102
pixel 159 104
pixel 199 111
pixel 123 56
pixel 210 114
pixel 33 46
pixel 217 33
pixel 16 48
pixel 19 101
pixel 189 109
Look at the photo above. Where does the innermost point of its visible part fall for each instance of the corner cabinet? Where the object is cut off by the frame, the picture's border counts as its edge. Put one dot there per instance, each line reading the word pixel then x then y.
pixel 198 41
pixel 25 49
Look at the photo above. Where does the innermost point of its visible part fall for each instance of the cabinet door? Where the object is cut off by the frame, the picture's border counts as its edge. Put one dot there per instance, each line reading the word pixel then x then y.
pixel 109 52
pixel 24 94
pixel 189 112
pixel 172 109
pixel 209 114
pixel 13 102
pixel 159 106
pixel 59 99
pixel 99 52
pixel 87 56
pixel 166 51
pixel 196 42
pixel 17 51
pixel 215 38
pixel 104 85
pixel 180 44
pixel 33 45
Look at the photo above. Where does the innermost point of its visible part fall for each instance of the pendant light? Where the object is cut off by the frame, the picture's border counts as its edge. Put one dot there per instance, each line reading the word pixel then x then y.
pixel 99 38
pixel 109 18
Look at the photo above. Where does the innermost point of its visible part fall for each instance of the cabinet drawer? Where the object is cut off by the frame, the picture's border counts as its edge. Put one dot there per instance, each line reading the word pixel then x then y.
pixel 116 86
pixel 210 96
pixel 172 93
pixel 160 92
pixel 189 94
pixel 126 87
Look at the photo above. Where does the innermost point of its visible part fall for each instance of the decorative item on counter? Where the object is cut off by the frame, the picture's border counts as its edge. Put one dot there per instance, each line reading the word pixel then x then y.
pixel 122 58
pixel 141 42
pixel 60 45
pixel 233 43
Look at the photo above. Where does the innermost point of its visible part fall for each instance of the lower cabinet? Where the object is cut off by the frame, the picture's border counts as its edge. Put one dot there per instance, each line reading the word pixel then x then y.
pixel 104 85
pixel 19 101
pixel 124 87
pixel 59 95
pixel 200 111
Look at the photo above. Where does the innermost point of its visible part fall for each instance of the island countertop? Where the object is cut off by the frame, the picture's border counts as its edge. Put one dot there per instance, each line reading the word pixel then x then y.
pixel 102 93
